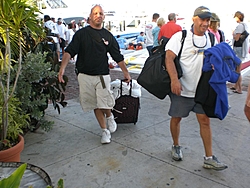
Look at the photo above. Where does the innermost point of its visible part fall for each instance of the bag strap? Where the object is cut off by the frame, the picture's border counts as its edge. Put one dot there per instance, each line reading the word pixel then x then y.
pixel 243 26
pixel 184 34
pixel 130 90
pixel 212 38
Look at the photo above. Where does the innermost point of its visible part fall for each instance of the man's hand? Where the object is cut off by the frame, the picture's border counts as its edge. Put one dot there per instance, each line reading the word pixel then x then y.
pixel 60 75
pixel 176 87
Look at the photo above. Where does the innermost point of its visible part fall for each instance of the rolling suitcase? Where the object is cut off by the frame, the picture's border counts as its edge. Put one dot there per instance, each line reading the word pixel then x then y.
pixel 126 107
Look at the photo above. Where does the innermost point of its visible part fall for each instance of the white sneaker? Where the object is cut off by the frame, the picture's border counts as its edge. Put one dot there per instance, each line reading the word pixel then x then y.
pixel 112 126
pixel 106 136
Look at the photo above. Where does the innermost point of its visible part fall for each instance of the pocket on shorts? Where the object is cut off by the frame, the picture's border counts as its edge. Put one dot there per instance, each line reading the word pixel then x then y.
pixel 105 98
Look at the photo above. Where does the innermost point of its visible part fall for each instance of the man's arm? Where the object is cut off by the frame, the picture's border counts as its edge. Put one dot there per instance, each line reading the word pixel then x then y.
pixel 124 69
pixel 170 66
pixel 65 60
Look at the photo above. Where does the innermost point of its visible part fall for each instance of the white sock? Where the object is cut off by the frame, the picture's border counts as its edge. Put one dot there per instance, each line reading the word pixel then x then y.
pixel 210 157
pixel 104 129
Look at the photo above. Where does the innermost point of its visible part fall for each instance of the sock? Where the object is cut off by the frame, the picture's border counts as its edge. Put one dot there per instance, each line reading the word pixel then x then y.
pixel 104 129
pixel 109 116
pixel 210 157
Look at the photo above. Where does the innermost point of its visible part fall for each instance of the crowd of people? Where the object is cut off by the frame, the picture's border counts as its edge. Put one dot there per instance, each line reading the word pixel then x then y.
pixel 60 34
pixel 94 76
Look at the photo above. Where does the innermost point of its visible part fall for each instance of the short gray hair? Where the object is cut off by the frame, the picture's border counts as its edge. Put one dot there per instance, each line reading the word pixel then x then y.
pixel 171 16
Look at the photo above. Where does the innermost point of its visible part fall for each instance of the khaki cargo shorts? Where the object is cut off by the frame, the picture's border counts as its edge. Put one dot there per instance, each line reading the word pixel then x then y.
pixel 95 94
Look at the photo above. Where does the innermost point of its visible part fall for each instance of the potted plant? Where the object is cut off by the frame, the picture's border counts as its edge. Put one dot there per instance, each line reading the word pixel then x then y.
pixel 37 86
pixel 14 180
pixel 18 19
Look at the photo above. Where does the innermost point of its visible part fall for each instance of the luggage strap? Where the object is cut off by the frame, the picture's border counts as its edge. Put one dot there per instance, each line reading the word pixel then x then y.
pixel 102 81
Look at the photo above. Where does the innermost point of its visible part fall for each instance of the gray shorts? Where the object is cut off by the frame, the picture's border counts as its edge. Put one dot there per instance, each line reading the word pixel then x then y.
pixel 181 106
pixel 92 93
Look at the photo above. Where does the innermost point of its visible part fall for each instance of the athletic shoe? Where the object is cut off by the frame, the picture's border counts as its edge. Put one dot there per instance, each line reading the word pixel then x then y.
pixel 112 126
pixel 105 137
pixel 177 153
pixel 214 164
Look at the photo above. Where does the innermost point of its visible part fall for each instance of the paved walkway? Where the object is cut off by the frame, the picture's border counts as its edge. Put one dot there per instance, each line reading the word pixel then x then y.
pixel 139 155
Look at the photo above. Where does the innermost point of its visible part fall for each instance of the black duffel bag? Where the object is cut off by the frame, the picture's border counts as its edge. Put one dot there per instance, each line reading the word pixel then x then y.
pixel 154 76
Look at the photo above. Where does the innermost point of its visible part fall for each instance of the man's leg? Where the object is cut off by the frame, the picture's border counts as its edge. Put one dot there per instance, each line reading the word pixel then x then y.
pixel 175 129
pixel 175 132
pixel 100 116
pixel 206 133
pixel 210 161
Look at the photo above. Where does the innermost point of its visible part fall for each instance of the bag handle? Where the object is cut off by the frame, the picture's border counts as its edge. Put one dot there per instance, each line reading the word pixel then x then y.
pixel 130 90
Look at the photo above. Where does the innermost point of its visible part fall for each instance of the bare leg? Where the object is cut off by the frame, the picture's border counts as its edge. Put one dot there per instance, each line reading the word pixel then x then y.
pixel 238 85
pixel 101 115
pixel 175 129
pixel 206 133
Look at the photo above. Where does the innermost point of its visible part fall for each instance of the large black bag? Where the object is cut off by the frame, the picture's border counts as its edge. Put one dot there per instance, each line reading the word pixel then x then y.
pixel 126 107
pixel 154 76
pixel 242 38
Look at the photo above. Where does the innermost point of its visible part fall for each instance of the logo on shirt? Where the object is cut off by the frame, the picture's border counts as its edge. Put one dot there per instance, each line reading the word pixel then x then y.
pixel 198 51
pixel 105 42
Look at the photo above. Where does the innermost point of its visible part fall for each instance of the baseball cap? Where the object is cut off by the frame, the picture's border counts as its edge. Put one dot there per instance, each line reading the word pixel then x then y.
pixel 59 20
pixel 214 17
pixel 202 12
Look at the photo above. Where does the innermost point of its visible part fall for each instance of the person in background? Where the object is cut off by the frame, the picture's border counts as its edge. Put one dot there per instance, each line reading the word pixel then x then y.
pixel 240 51
pixel 93 70
pixel 170 28
pixel 75 26
pixel 140 38
pixel 247 104
pixel 52 33
pixel 222 35
pixel 148 32
pixel 80 24
pixel 214 27
pixel 86 23
pixel 122 42
pixel 69 36
pixel 62 33
pixel 53 19
pixel 156 30
pixel 183 90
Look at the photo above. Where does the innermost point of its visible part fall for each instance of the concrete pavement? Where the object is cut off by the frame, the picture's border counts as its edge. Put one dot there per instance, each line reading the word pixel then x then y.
pixel 139 155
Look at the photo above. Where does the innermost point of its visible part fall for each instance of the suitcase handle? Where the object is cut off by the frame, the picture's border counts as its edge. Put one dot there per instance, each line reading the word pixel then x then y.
pixel 130 90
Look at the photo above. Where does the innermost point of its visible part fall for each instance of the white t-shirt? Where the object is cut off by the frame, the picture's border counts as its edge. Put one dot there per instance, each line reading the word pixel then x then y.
pixel 62 30
pixel 51 25
pixel 148 33
pixel 69 35
pixel 191 59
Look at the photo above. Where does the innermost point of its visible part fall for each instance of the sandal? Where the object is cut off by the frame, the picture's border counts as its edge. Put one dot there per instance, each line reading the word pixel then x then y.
pixel 232 88
pixel 235 91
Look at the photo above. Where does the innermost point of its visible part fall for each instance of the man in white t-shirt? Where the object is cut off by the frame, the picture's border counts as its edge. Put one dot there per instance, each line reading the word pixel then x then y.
pixel 183 90
pixel 52 33
pixel 62 32
pixel 148 32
